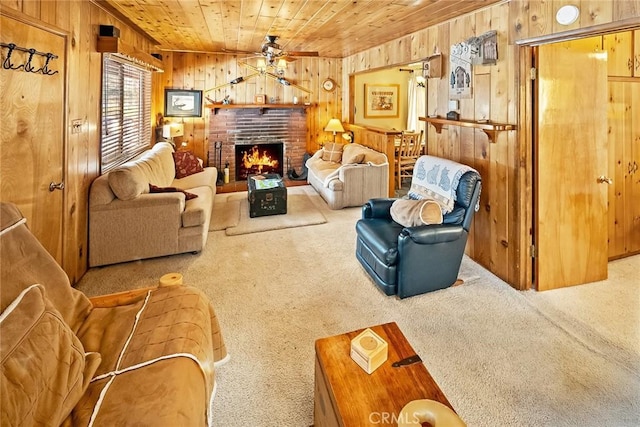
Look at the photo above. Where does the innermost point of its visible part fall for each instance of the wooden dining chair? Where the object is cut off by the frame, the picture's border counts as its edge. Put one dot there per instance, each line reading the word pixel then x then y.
pixel 408 152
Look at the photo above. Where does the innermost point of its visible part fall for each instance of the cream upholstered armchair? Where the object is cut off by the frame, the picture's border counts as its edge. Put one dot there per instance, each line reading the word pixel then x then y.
pixel 348 175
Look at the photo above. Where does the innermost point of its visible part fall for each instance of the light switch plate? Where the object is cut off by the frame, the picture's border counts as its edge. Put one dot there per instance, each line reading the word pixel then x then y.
pixel 76 126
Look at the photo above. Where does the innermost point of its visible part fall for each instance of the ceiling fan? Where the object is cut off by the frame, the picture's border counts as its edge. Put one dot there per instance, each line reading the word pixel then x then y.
pixel 272 63
pixel 271 51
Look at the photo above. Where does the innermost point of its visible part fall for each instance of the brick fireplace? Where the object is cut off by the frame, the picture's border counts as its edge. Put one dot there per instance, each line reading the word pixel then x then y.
pixel 238 130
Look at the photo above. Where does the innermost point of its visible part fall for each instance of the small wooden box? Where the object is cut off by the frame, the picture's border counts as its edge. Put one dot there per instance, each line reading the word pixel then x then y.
pixel 368 350
pixel 432 67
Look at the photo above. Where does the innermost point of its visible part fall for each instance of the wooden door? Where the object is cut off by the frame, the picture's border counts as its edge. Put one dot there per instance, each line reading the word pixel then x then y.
pixel 619 47
pixel 632 189
pixel 32 150
pixel 636 53
pixel 624 161
pixel 571 153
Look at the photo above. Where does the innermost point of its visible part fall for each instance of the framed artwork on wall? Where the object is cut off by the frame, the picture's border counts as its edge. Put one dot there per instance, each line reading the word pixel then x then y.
pixel 381 100
pixel 182 103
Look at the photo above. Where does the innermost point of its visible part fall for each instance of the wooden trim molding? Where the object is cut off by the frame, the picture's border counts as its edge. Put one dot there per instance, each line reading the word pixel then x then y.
pixel 609 27
pixel 261 107
pixel 115 45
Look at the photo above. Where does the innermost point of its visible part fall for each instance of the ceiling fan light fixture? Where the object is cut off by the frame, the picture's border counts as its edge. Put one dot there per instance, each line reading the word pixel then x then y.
pixel 281 67
pixel 262 65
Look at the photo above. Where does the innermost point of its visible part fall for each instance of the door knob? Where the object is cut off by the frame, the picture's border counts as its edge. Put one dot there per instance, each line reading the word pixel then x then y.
pixel 604 180
pixel 53 186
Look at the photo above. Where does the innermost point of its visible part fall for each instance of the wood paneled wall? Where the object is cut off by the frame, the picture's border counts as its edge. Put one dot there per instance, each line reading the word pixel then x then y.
pixel 501 234
pixel 80 20
pixel 187 70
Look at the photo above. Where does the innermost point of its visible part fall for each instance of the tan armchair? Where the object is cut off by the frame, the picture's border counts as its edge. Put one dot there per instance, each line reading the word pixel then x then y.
pixel 140 357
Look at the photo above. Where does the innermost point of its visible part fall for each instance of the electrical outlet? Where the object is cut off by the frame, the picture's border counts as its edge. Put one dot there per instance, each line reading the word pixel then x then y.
pixel 76 126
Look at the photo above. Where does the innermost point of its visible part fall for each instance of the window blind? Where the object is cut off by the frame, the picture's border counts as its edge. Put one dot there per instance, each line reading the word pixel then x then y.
pixel 126 111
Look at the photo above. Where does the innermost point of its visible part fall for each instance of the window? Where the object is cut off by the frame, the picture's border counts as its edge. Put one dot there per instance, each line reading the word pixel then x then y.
pixel 126 111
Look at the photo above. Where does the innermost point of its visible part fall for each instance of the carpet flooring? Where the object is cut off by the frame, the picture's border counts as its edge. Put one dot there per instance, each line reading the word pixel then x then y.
pixel 502 357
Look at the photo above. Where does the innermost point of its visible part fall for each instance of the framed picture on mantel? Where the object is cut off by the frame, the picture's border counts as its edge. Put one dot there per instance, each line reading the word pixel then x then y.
pixel 381 100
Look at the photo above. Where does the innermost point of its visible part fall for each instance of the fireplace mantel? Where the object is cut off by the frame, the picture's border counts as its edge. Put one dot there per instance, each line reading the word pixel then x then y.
pixel 260 107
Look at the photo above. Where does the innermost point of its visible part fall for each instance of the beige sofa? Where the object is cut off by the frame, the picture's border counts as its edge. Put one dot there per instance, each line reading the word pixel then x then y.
pixel 143 357
pixel 348 175
pixel 127 222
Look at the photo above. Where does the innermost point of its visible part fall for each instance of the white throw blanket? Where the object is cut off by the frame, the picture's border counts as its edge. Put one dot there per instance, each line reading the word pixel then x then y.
pixel 437 178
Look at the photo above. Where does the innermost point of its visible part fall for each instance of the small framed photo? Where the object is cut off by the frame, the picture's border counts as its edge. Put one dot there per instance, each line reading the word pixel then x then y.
pixel 260 99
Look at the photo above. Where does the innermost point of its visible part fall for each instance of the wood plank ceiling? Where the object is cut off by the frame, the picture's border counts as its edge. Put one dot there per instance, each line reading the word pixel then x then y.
pixel 334 28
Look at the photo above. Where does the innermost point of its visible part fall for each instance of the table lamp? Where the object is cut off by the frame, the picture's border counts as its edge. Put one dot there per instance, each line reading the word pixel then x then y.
pixel 334 126
pixel 172 130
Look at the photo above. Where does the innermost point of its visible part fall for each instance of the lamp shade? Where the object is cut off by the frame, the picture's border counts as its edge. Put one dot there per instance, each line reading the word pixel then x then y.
pixel 334 126
pixel 172 130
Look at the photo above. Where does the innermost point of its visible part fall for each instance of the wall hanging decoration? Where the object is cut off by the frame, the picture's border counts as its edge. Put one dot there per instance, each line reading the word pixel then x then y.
pixel 484 48
pixel 460 79
pixel 36 62
pixel 381 100
pixel 432 66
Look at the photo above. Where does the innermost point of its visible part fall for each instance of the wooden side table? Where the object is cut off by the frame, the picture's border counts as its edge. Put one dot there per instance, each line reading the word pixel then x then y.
pixel 346 396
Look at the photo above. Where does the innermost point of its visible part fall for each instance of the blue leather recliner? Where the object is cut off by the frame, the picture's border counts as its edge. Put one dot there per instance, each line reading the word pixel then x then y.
pixel 407 261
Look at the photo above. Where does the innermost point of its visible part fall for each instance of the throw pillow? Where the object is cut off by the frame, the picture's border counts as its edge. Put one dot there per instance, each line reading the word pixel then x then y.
pixel 156 189
pixel 186 163
pixel 411 213
pixel 332 152
pixel 354 160
pixel 127 182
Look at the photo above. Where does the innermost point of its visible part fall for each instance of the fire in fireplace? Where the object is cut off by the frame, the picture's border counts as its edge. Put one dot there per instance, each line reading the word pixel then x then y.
pixel 258 158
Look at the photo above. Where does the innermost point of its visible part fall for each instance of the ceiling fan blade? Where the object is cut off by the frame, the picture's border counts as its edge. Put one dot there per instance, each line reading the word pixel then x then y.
pixel 300 53
pixel 243 52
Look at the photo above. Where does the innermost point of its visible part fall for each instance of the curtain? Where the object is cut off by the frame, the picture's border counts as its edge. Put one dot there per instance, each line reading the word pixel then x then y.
pixel 416 100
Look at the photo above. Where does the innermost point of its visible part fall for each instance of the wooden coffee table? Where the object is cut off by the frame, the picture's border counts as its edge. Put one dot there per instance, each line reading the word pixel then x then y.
pixel 345 395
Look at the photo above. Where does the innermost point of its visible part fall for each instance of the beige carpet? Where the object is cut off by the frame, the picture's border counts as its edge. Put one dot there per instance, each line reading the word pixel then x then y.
pixel 502 357
pixel 231 213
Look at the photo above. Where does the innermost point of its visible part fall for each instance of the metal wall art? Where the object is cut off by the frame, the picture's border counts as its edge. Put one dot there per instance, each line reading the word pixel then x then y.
pixel 484 48
pixel 31 64
pixel 461 78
